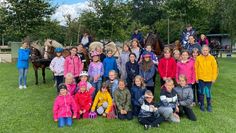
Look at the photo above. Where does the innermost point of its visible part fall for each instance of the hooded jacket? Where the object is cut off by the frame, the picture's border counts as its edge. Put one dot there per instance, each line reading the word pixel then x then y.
pixel 23 58
pixel 145 110
pixel 167 67
pixel 185 95
pixel 100 98
pixel 148 75
pixel 109 63
pixel 187 69
pixel 136 94
pixel 132 70
pixel 122 99
pixel 168 99
pixel 73 65
pixel 71 88
pixel 63 106
pixel 83 101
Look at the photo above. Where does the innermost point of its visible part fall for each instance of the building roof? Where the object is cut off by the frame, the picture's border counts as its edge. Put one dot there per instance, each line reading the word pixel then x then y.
pixel 217 35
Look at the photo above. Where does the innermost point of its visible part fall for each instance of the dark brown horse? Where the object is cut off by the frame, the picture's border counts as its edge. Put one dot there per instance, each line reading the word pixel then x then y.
pixel 154 40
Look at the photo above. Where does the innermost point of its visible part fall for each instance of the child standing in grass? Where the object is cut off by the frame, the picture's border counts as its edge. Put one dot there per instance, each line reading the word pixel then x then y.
pixel 109 63
pixel 149 115
pixel 122 60
pixel 95 71
pixel 23 64
pixel 137 90
pixel 73 64
pixel 185 98
pixel 70 84
pixel 112 82
pixel 122 100
pixel 168 97
pixel 176 55
pixel 64 104
pixel 136 49
pixel 167 66
pixel 83 100
pixel 57 67
pixel 103 101
pixel 147 71
pixel 206 74
pixel 132 69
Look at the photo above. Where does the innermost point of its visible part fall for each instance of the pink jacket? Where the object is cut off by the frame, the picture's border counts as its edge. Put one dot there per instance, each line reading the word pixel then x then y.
pixel 71 88
pixel 187 69
pixel 73 65
pixel 63 106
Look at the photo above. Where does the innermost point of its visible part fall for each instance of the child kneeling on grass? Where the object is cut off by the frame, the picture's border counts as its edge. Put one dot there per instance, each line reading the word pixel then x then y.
pixel 185 98
pixel 122 99
pixel 149 115
pixel 168 97
pixel 103 101
pixel 64 104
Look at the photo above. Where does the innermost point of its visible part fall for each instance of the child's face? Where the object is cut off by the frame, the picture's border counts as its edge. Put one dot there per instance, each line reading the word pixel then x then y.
pixel 147 59
pixel 169 86
pixel 84 78
pixel 109 54
pixel 138 82
pixel 98 49
pixel 126 48
pixel 69 80
pixel 132 58
pixel 185 56
pixel 112 75
pixel 149 98
pixel 121 85
pixel 63 92
pixel 182 82
pixel 167 55
pixel 149 48
pixel 73 52
pixel 205 51
pixel 177 55
pixel 195 54
pixel 134 44
pixel 83 89
pixel 191 40
pixel 80 48
pixel 25 45
pixel 95 58
pixel 104 89
pixel 58 54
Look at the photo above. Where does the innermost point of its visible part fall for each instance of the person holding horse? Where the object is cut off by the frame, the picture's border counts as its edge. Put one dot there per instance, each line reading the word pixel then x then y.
pixel 23 64
pixel 85 39
pixel 189 31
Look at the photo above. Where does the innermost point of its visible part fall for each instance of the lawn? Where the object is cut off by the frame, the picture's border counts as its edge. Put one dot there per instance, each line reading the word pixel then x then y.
pixel 30 110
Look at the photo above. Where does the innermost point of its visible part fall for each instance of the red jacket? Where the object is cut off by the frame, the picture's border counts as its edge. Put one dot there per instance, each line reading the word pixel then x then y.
pixel 167 68
pixel 63 106
pixel 83 101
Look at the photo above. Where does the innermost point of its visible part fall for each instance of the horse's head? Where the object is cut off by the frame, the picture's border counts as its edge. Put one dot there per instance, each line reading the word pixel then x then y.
pixel 35 54
pixel 48 52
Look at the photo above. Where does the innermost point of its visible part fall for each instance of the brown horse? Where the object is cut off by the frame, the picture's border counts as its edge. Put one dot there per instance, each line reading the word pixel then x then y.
pixel 155 41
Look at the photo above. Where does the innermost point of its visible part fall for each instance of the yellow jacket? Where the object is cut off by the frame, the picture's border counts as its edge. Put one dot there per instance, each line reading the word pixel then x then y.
pixel 100 98
pixel 206 68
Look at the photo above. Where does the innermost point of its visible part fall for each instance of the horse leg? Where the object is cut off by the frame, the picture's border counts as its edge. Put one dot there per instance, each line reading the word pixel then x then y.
pixel 36 76
pixel 43 74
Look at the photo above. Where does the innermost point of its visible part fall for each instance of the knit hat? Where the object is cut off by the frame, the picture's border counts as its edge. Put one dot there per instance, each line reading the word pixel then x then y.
pixel 62 86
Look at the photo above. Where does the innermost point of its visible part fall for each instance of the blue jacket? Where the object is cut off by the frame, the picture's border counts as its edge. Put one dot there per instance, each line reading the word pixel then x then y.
pixel 109 63
pixel 23 57
pixel 148 75
pixel 136 94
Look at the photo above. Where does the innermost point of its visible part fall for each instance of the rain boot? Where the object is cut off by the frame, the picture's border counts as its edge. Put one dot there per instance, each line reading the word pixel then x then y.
pixel 209 107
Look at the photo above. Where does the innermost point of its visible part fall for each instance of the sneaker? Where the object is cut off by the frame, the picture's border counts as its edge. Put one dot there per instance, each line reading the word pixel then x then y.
pixel 193 104
pixel 24 87
pixel 158 125
pixel 202 108
pixel 146 127
pixel 20 87
pixel 209 108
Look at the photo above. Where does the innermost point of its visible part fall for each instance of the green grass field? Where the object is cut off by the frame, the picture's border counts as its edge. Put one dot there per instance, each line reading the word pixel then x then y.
pixel 30 110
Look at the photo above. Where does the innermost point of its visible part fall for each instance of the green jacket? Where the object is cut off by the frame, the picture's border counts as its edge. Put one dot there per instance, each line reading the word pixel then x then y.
pixel 122 99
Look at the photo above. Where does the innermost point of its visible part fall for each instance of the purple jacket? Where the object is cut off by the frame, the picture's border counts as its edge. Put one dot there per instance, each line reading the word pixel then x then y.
pixel 95 69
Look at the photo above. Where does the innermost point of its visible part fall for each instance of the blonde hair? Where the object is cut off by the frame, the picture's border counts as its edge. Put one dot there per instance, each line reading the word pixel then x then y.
pixel 69 75
pixel 149 93
pixel 169 81
pixel 206 46
pixel 176 52
pixel 138 77
pixel 167 49
pixel 182 76
pixel 113 71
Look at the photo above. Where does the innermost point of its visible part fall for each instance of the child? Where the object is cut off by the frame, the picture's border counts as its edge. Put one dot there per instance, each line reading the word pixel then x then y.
pixel 73 64
pixel 195 54
pixel 102 55
pixel 149 115
pixel 122 100
pixel 153 56
pixel 103 101
pixel 206 74
pixel 176 55
pixel 185 97
pixel 147 71
pixel 70 84
pixel 186 67
pixel 57 66
pixel 109 63
pixel 83 100
pixel 167 66
pixel 23 64
pixel 81 55
pixel 137 90
pixel 132 69
pixel 63 107
pixel 112 82
pixel 84 78
pixel 122 60
pixel 136 49
pixel 169 101
pixel 95 71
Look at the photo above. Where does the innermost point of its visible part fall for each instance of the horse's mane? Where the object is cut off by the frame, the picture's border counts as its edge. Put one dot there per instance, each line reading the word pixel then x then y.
pixel 52 43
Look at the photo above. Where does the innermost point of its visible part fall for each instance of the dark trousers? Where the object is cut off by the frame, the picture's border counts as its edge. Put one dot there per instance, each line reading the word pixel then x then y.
pixel 195 92
pixel 77 79
pixel 153 121
pixel 151 88
pixel 127 116
pixel 188 112
pixel 59 80
pixel 135 110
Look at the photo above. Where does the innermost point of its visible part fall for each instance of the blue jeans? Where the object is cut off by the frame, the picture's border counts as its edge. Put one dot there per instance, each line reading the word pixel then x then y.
pixel 22 76
pixel 64 121
pixel 97 86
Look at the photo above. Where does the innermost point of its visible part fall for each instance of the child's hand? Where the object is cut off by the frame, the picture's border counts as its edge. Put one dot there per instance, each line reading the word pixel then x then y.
pixel 55 120
pixel 74 117
pixel 104 114
pixel 122 112
pixel 84 111
pixel 125 112
pixel 81 112
pixel 213 81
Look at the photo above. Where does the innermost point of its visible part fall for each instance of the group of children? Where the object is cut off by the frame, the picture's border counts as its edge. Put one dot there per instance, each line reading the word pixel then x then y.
pixel 124 87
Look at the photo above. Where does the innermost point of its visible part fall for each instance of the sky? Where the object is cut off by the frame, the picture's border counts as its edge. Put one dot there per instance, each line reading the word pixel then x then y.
pixel 65 7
